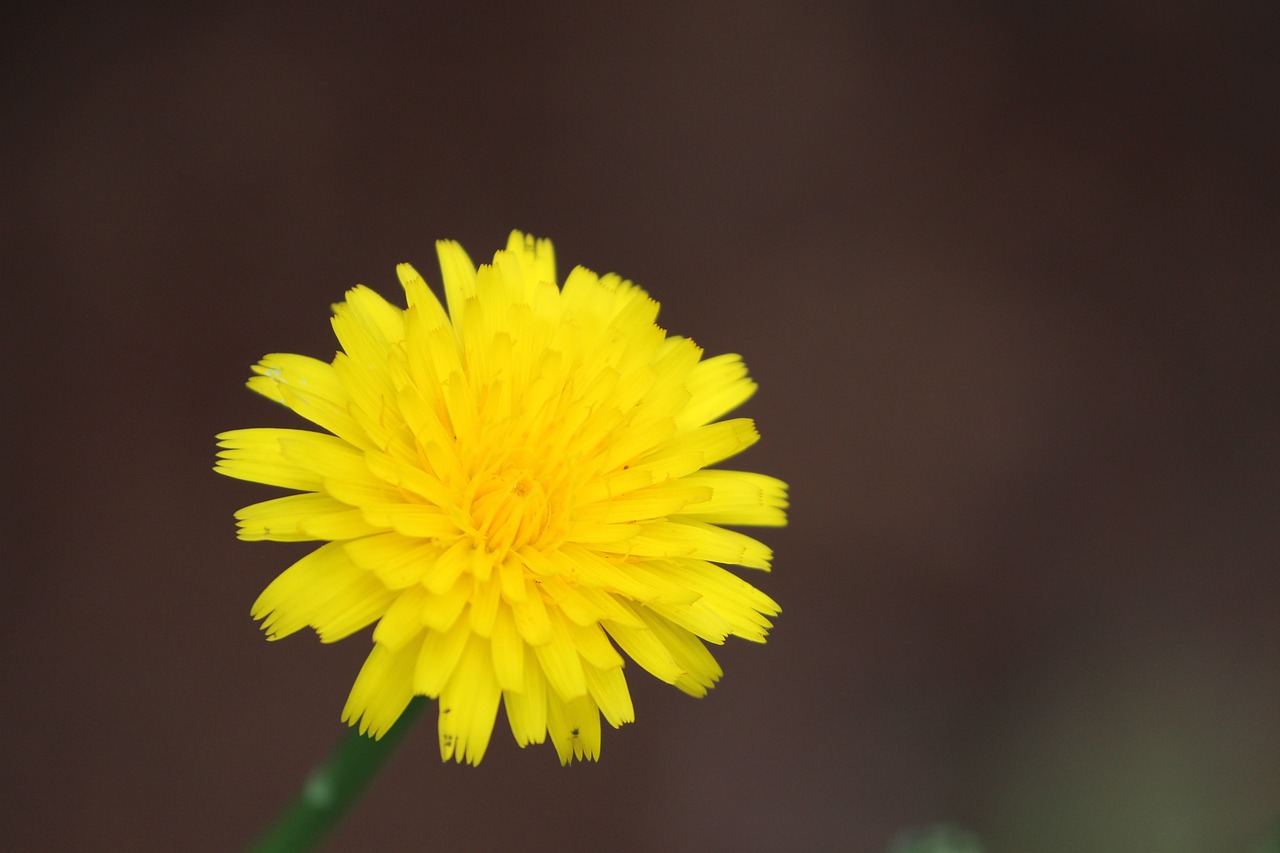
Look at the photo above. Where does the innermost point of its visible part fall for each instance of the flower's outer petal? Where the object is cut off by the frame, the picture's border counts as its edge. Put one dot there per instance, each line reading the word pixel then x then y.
pixel 432 355
pixel 604 298
pixel 499 288
pixel 591 570
pixel 644 647
pixel 402 623
pixel 299 518
pixel 382 690
pixel 608 687
pixel 339 525
pixel 367 326
pixel 469 705
pixel 255 455
pixel 312 389
pixel 561 662
pixel 698 448
pixel 673 362
pixel 508 652
pixel 696 540
pixel 397 561
pixel 297 455
pixel 697 617
pixel 737 497
pixel 592 644
pixel 527 709
pixel 438 657
pixel 422 302
pixel 699 670
pixel 411 519
pixel 374 406
pixel 637 441
pixel 743 607
pixel 292 458
pixel 717 385
pixel 355 609
pixel 325 590
pixel 587 606
pixel 574 726
pixel 680 455
pixel 581 298
pixel 300 372
pixel 651 502
pixel 459 276
pixel 536 258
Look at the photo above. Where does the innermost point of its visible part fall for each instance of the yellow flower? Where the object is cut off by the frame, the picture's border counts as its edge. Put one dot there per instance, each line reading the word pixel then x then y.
pixel 505 489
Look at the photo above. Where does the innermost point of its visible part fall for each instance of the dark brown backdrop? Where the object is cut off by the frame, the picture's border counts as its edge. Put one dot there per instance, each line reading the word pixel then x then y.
pixel 1008 280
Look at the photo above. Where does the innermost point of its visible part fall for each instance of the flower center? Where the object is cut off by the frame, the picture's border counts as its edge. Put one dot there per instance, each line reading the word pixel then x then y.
pixel 509 509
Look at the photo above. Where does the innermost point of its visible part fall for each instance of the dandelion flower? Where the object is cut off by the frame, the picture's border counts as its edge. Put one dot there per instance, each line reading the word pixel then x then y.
pixel 514 491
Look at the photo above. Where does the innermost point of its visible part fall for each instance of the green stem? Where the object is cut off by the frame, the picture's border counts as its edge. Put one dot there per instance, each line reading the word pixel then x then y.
pixel 1271 844
pixel 333 787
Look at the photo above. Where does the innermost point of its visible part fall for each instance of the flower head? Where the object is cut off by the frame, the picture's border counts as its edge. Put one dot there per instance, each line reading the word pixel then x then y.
pixel 513 490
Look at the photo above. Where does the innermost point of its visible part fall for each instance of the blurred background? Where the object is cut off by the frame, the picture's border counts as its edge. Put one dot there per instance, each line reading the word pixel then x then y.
pixel 1008 279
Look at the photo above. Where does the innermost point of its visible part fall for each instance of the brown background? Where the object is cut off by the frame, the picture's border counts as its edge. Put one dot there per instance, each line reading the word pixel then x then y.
pixel 1008 280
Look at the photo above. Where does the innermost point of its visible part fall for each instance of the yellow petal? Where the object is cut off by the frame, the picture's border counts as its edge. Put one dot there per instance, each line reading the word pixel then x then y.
pixel 382 690
pixel 459 276
pixel 527 709
pixel 403 620
pixel 297 518
pixel 561 662
pixel 608 687
pixel 508 652
pixel 325 590
pixel 736 497
pixel 469 705
pixel 574 726
pixel 716 386
pixel 438 657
